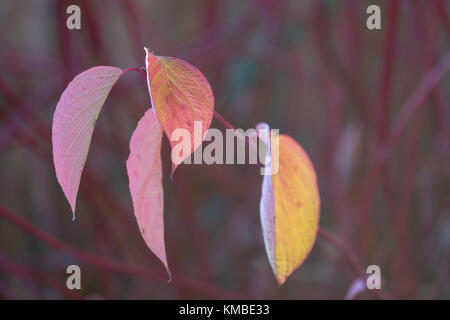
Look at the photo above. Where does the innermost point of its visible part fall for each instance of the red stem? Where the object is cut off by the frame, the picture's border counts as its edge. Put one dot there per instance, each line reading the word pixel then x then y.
pixel 105 263
pixel 352 260
pixel 222 120
pixel 416 98
pixel 25 272
pixel 349 255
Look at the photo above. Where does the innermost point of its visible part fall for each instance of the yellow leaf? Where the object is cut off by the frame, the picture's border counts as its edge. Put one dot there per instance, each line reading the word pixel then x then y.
pixel 290 207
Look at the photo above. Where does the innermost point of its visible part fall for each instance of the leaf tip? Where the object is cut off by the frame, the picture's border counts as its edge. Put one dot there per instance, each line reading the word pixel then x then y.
pixel 280 279
pixel 72 202
pixel 174 167
pixel 169 273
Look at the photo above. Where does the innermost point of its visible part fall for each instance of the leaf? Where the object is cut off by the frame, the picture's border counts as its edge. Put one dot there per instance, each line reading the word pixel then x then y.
pixel 180 95
pixel 145 177
pixel 289 207
pixel 74 121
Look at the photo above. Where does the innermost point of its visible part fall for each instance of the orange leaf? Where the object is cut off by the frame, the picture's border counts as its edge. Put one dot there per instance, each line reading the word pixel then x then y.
pixel 290 206
pixel 180 95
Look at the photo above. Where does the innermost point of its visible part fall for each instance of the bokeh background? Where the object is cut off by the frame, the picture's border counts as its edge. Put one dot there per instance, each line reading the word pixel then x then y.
pixel 371 108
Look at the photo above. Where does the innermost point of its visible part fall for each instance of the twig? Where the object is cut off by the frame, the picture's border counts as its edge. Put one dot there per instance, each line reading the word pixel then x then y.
pixel 415 99
pixel 222 120
pixel 27 273
pixel 352 260
pixel 115 266
pixel 349 256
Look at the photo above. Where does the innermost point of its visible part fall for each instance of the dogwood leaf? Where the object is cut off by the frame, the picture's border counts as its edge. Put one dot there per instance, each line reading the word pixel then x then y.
pixel 73 124
pixel 290 204
pixel 145 182
pixel 180 95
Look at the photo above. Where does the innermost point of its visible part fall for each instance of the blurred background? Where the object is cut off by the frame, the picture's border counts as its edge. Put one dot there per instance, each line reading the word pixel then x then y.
pixel 370 107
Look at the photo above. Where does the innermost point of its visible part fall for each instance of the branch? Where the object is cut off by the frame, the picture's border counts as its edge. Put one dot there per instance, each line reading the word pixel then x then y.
pixel 222 120
pixel 349 255
pixel 36 276
pixel 414 101
pixel 352 259
pixel 105 263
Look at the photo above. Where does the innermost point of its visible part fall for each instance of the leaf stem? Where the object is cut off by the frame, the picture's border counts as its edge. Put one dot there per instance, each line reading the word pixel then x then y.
pixel 140 70
pixel 222 120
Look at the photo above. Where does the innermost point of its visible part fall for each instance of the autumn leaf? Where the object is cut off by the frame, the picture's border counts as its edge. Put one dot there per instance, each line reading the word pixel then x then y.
pixel 180 95
pixel 73 124
pixel 290 205
pixel 145 182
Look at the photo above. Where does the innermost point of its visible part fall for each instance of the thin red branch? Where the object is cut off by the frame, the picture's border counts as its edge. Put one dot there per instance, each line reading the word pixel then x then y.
pixel 416 98
pixel 349 255
pixel 105 263
pixel 385 81
pixel 352 260
pixel 25 272
pixel 222 120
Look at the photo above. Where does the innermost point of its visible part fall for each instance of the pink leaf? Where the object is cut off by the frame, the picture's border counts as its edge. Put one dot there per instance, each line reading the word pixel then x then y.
pixel 145 175
pixel 74 121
